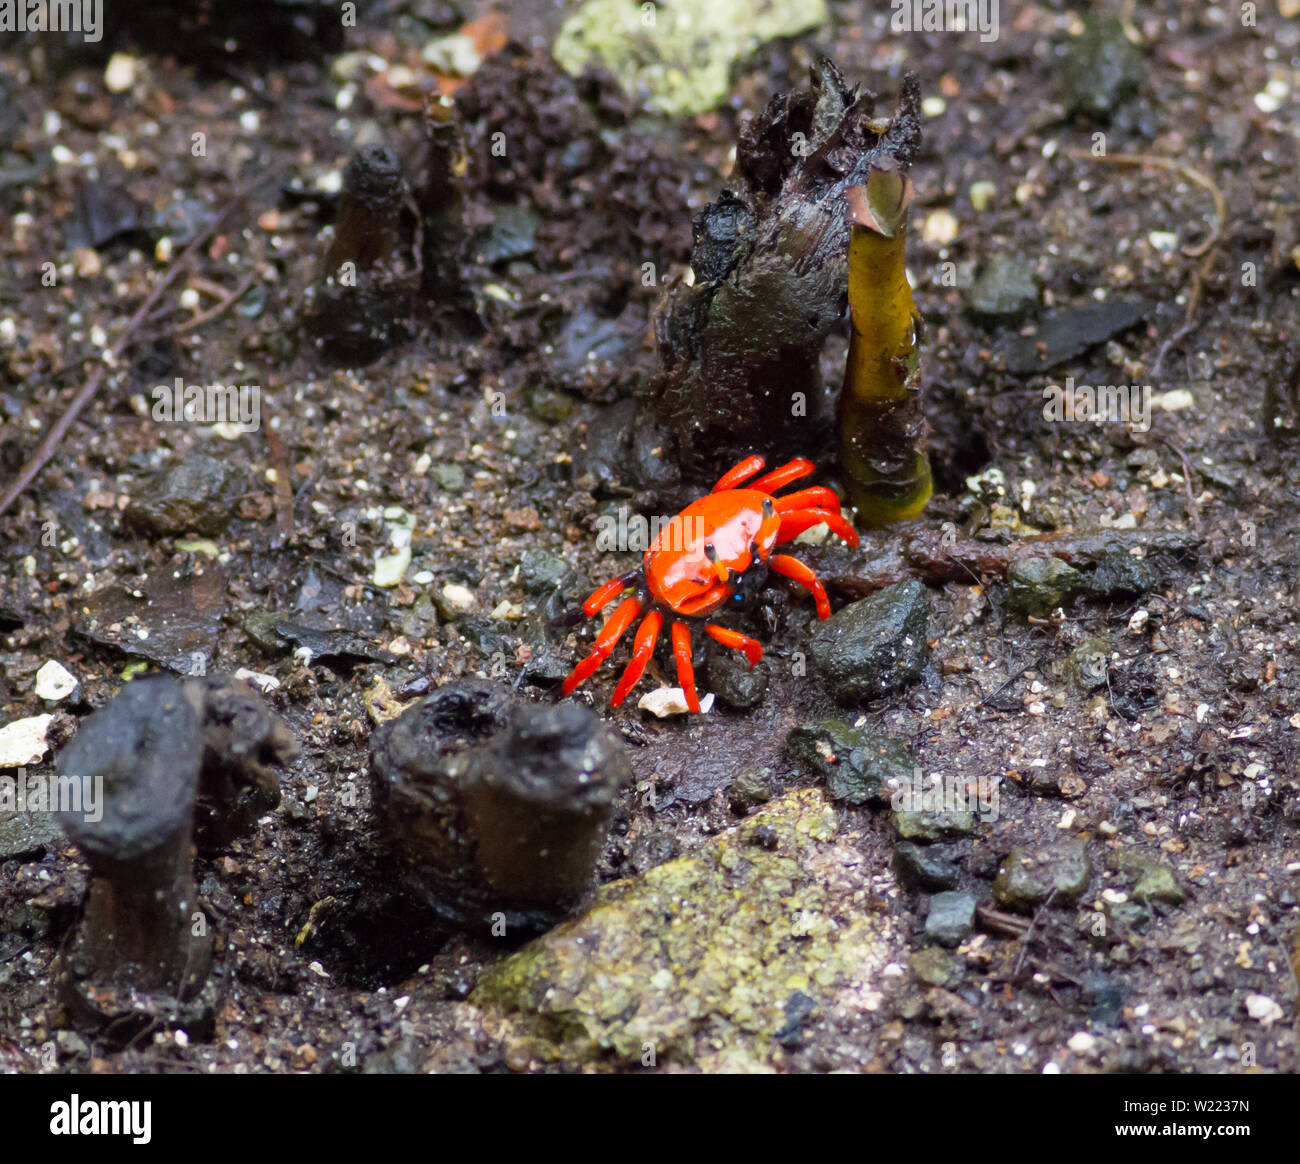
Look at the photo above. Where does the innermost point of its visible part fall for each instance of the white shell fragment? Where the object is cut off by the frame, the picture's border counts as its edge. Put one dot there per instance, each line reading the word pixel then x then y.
pixel 23 741
pixel 666 701
pixel 390 568
pixel 264 683
pixel 54 681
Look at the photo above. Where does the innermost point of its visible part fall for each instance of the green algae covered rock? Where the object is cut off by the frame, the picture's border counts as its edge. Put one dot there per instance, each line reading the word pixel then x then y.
pixel 679 55
pixel 692 964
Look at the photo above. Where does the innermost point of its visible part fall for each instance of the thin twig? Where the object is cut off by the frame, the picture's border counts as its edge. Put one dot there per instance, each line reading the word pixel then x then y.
pixel 283 493
pixel 59 430
pixel 1157 162
pixel 1029 933
pixel 1193 511
pixel 221 307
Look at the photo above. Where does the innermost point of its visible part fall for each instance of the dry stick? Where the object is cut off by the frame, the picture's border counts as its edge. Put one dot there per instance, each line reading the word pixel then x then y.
pixel 228 299
pixel 283 494
pixel 1029 933
pixel 1192 509
pixel 45 451
pixel 1155 161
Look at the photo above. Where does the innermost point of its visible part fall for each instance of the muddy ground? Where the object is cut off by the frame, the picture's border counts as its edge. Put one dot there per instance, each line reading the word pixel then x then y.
pixel 1187 754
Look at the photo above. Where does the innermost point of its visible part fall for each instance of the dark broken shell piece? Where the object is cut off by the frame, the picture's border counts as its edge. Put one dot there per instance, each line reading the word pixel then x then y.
pixel 1062 335
pixel 170 620
pixel 277 635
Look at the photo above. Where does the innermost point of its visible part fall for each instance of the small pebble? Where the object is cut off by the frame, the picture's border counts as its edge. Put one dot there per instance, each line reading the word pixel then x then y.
pixel 54 682
pixel 940 228
pixel 119 76
pixel 459 598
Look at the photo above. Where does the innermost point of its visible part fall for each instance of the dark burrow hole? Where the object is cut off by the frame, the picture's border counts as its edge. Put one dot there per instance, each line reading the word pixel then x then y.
pixel 953 461
pixel 370 947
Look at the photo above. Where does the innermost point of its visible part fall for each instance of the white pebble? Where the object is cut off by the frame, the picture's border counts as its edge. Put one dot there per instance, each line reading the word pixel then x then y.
pixel 1175 401
pixel 54 681
pixel 119 76
pixel 459 598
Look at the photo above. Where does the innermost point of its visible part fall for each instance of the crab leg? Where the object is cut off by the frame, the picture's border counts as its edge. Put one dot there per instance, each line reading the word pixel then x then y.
pixel 643 647
pixel 685 670
pixel 778 478
pixel 793 568
pixel 736 641
pixel 739 472
pixel 602 596
pixel 609 635
pixel 796 521
pixel 818 497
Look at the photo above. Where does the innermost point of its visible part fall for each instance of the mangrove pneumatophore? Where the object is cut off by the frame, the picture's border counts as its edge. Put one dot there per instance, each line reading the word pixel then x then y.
pixel 879 423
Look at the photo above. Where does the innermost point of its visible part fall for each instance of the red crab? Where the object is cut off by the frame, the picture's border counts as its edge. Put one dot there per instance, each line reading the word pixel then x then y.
pixel 717 550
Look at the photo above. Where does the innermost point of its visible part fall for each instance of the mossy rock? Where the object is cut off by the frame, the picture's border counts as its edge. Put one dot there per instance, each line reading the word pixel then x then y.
pixel 696 959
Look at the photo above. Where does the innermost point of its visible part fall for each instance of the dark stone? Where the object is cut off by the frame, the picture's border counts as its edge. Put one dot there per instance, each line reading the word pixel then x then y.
pixel 1005 292
pixel 799 1008
pixel 951 918
pixel 859 766
pixel 736 684
pixel 877 645
pixel 541 570
pixel 624 450
pixel 935 967
pixel 929 867
pixel 1037 586
pixel 1118 574
pixel 512 235
pixel 930 825
pixel 1153 879
pixel 193 495
pixel 1102 70
pixel 749 790
pixel 1030 875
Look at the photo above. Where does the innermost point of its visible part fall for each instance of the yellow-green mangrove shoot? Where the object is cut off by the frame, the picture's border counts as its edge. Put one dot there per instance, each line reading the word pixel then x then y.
pixel 880 425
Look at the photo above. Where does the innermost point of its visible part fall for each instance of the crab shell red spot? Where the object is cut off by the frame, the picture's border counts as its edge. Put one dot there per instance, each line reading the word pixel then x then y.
pixel 678 569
